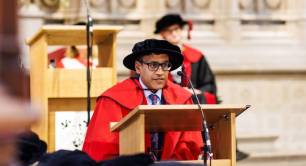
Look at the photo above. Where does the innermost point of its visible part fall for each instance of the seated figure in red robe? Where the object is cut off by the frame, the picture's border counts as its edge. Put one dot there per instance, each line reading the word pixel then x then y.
pixel 152 60
pixel 195 65
pixel 71 57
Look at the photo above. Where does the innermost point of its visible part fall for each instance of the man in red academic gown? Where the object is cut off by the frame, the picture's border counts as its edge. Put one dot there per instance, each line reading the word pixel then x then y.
pixel 152 60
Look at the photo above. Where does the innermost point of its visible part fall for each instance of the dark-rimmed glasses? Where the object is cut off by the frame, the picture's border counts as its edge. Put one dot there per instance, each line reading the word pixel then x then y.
pixel 154 66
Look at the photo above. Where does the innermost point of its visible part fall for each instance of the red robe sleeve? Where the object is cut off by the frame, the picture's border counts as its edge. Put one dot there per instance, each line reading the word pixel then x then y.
pixel 99 142
pixel 210 98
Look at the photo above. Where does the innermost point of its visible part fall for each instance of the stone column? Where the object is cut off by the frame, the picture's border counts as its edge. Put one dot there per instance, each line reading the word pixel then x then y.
pixel 292 16
pixel 301 20
pixel 228 20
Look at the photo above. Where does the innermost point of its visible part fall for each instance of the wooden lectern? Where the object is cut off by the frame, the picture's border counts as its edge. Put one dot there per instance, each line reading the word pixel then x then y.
pixel 55 89
pixel 146 118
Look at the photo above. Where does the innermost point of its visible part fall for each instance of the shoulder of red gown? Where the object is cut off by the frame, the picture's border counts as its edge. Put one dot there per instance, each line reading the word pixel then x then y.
pixel 191 54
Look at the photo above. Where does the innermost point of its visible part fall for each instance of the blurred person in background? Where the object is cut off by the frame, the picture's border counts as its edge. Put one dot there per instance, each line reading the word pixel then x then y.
pixel 195 66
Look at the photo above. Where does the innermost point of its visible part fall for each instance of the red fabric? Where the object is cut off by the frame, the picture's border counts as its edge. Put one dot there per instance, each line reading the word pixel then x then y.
pixel 190 27
pixel 113 105
pixel 170 77
pixel 57 56
pixel 191 55
pixel 210 98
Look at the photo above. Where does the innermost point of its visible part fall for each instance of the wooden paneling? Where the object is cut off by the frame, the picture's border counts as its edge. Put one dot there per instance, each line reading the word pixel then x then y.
pixel 107 57
pixel 224 141
pixel 51 132
pixel 72 34
pixel 134 136
pixel 157 116
pixel 67 83
pixel 70 104
pixel 38 83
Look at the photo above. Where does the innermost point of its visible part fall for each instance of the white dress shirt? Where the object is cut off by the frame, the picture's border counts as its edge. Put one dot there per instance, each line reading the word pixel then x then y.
pixel 147 93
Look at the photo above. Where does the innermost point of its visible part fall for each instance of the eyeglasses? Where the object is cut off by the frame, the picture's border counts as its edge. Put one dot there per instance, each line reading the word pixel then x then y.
pixel 154 66
pixel 174 28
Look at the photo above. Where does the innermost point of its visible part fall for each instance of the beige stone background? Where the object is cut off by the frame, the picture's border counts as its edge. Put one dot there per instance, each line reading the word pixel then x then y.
pixel 256 48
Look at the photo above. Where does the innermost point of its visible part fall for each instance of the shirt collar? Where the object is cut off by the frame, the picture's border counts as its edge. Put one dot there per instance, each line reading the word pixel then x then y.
pixel 147 93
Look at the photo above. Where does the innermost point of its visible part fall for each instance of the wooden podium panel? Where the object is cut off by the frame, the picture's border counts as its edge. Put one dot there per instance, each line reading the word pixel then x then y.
pixel 58 89
pixel 73 34
pixel 176 117
pixel 146 118
pixel 72 83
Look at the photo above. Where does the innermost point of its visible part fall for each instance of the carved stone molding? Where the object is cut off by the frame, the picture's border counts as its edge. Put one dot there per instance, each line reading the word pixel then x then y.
pixel 102 6
pixel 174 5
pixel 127 4
pixel 258 5
pixel 273 4
pixel 123 7
pixel 48 5
pixel 113 6
pixel 98 3
pixel 246 4
pixel 201 4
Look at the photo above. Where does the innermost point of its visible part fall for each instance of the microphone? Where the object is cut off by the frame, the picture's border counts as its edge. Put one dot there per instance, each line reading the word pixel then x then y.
pixel 89 40
pixel 205 131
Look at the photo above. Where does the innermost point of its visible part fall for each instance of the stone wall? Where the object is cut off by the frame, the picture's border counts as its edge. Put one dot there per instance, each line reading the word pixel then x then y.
pixel 278 105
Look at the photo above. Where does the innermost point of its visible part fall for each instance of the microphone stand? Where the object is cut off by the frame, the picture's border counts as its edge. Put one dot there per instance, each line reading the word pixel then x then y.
pixel 89 38
pixel 205 132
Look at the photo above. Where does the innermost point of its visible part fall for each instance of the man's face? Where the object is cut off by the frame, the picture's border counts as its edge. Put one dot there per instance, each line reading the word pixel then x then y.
pixel 153 79
pixel 172 34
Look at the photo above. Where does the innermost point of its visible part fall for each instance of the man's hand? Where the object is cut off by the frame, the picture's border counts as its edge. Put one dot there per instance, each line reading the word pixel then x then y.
pixel 197 91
